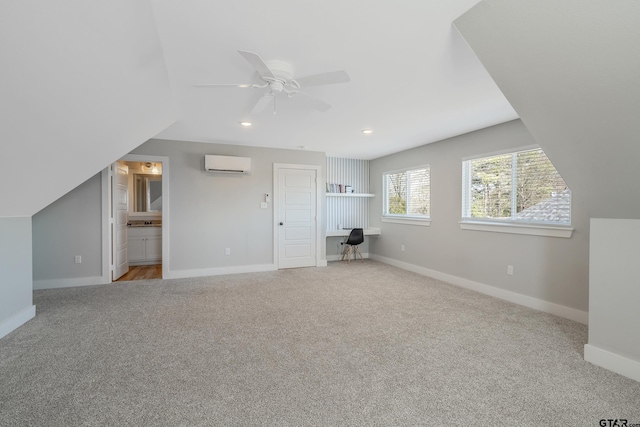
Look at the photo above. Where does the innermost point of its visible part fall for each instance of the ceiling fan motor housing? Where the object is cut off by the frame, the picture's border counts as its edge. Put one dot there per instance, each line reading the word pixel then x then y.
pixel 281 69
pixel 284 76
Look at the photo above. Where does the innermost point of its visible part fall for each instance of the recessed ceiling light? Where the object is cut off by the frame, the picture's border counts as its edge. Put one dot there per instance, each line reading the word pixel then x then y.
pixel 246 124
pixel 367 131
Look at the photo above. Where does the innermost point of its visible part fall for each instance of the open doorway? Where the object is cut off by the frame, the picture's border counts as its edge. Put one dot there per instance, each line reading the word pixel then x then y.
pixel 144 222
pixel 138 194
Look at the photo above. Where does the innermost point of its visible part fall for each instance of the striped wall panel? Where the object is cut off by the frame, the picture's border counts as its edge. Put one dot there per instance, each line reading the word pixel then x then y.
pixel 349 212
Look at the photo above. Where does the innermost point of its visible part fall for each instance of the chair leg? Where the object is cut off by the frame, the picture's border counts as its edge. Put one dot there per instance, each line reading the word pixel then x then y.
pixel 351 250
pixel 358 249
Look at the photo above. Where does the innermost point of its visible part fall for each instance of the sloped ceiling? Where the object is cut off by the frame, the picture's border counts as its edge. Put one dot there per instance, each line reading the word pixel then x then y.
pixel 571 70
pixel 413 78
pixel 81 84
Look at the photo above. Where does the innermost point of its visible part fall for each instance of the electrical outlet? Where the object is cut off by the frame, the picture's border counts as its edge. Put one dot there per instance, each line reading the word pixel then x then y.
pixel 510 270
pixel 78 259
pixel 402 248
pixel 263 205
pixel 227 251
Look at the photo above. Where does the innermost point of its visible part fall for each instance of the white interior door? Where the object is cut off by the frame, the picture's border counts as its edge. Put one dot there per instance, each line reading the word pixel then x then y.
pixel 297 217
pixel 120 217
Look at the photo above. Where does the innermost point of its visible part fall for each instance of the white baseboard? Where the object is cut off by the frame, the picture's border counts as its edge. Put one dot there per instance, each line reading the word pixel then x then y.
pixel 17 320
pixel 614 362
pixel 527 301
pixel 185 274
pixel 68 283
pixel 338 257
pixel 172 274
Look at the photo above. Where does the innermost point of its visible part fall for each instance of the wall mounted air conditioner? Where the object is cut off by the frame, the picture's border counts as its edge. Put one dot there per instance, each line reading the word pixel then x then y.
pixel 227 164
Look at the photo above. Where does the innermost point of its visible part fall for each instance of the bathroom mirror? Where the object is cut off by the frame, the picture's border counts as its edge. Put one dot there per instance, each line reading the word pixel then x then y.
pixel 147 193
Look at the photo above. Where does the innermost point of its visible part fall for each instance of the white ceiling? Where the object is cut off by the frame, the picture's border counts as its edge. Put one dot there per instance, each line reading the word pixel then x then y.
pixel 414 80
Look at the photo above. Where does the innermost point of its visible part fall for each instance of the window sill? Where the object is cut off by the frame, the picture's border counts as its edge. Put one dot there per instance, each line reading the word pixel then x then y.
pixel 424 222
pixel 528 229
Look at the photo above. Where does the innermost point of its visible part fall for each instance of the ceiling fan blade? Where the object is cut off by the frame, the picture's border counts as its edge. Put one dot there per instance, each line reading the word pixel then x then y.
pixel 223 85
pixel 329 78
pixel 257 63
pixel 315 102
pixel 262 103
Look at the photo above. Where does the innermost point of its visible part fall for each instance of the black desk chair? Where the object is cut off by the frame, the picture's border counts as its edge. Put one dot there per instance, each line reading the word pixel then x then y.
pixel 351 246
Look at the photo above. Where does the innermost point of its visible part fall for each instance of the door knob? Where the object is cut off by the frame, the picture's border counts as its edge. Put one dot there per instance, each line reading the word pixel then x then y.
pixel 282 223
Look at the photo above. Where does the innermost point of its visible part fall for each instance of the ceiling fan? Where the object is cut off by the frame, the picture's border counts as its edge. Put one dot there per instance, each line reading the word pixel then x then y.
pixel 277 77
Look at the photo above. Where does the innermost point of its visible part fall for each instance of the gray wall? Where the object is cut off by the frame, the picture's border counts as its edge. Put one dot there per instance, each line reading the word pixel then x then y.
pixel 211 211
pixel 548 268
pixel 208 212
pixel 15 273
pixel 68 227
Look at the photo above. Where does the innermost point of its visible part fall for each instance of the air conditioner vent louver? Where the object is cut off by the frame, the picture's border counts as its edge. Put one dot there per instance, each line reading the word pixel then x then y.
pixel 227 164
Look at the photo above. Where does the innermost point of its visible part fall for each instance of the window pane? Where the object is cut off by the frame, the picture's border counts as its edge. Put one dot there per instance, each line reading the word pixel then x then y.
pixel 408 192
pixel 491 187
pixel 397 193
pixel 542 194
pixel 521 186
pixel 419 192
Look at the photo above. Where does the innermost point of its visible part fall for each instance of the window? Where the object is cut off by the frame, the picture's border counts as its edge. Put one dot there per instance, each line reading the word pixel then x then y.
pixel 518 188
pixel 407 194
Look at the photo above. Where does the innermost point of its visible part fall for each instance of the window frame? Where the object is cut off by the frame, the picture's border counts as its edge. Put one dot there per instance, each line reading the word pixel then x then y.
pixel 506 225
pixel 407 219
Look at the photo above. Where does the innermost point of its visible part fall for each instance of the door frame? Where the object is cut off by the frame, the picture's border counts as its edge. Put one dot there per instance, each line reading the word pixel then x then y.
pixel 320 261
pixel 116 224
pixel 107 174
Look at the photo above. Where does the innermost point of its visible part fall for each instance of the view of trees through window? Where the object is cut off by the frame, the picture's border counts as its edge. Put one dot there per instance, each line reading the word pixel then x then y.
pixel 408 192
pixel 521 186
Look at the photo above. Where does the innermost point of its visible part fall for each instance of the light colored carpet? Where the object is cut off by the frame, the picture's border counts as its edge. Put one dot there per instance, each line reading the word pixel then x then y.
pixel 358 344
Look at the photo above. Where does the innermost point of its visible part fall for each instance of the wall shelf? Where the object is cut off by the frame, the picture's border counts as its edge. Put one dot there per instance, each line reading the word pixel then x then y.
pixel 350 195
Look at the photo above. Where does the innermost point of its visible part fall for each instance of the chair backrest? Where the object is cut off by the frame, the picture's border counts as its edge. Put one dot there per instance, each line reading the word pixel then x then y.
pixel 356 236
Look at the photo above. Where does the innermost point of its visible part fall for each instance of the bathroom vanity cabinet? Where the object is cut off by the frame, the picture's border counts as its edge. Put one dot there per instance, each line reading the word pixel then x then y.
pixel 145 245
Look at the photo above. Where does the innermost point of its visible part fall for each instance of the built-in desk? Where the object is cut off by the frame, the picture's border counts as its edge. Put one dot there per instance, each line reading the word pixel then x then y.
pixel 345 232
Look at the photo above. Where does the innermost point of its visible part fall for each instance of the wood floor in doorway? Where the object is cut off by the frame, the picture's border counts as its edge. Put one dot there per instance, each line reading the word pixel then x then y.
pixel 142 272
